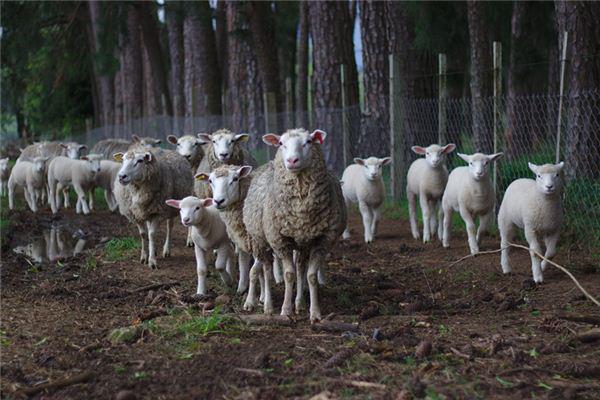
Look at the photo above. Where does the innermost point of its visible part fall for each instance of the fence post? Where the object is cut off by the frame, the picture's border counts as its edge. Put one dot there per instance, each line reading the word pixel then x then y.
pixel 345 138
pixel 442 96
pixel 396 132
pixel 270 117
pixel 289 103
pixel 497 93
pixel 563 59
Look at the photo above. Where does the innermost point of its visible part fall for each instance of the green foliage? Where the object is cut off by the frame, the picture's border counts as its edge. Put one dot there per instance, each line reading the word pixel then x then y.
pixel 118 249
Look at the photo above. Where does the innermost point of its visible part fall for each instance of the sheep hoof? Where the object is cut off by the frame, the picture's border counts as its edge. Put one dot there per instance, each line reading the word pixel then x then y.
pixel 166 253
pixel 249 305
pixel 268 309
pixel 315 317
pixel 300 307
pixel 286 311
pixel 416 236
pixel 152 263
pixel 241 289
pixel 346 235
pixel 189 243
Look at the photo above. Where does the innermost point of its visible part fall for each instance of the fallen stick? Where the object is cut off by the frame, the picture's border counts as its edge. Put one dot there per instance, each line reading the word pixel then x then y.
pixel 154 286
pixel 261 319
pixel 586 319
pixel 57 384
pixel 255 372
pixel 587 336
pixel 363 384
pixel 334 326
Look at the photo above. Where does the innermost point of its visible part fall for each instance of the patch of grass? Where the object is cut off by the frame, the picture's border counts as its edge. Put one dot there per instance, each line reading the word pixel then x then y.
pixel 91 263
pixel 120 248
pixel 4 341
pixel 119 369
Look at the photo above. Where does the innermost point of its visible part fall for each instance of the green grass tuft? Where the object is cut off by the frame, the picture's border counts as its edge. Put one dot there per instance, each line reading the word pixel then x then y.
pixel 118 249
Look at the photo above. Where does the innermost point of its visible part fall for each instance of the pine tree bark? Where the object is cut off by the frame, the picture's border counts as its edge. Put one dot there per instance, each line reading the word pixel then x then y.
pixel 175 37
pixel 132 66
pixel 331 30
pixel 302 57
pixel 221 41
pixel 481 65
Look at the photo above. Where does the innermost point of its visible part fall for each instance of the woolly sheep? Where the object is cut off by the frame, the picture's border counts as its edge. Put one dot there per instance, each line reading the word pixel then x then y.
pixel 4 175
pixel 29 176
pixel 362 184
pixel 536 207
pixel 105 179
pixel 208 233
pixel 470 192
pixel 51 149
pixel 145 181
pixel 108 147
pixel 222 147
pixel 146 142
pixel 427 178
pixel 67 172
pixel 296 204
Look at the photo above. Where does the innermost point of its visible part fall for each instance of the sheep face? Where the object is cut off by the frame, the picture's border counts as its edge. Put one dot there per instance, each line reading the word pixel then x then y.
pixel 133 166
pixel 225 184
pixel 147 142
pixel 3 165
pixel 187 146
pixel 372 166
pixel 548 177
pixel 434 154
pixel 40 163
pixel 478 163
pixel 191 209
pixel 93 163
pixel 74 150
pixel 223 142
pixel 295 146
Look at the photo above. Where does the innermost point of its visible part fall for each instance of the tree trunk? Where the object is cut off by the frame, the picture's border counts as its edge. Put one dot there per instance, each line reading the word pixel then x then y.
pixel 582 135
pixel 175 35
pixel 331 30
pixel 302 57
pixel 221 41
pixel 481 77
pixel 152 100
pixel 374 139
pixel 132 67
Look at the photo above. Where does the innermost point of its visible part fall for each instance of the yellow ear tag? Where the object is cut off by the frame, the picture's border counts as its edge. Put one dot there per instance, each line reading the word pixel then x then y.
pixel 201 177
pixel 118 157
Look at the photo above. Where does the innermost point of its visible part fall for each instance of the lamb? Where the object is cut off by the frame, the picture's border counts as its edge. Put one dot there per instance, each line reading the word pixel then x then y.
pixel 427 178
pixel 51 149
pixel 147 179
pixel 470 192
pixel 536 207
pixel 362 184
pixel 105 179
pixel 4 175
pixel 208 233
pixel 222 147
pixel 296 204
pixel 77 173
pixel 29 176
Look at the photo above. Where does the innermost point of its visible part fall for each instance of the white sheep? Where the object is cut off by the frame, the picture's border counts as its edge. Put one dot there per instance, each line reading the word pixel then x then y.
pixel 362 184
pixel 4 175
pixel 105 179
pixel 208 233
pixel 470 192
pixel 77 173
pixel 427 178
pixel 536 207
pixel 146 142
pixel 29 176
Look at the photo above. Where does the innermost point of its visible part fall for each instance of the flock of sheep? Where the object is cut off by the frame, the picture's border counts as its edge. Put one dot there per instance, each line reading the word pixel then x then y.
pixel 279 220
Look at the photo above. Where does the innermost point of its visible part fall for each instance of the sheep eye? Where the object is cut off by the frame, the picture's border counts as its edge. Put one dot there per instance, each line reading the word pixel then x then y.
pixel 197 208
pixel 281 144
pixel 235 179
pixel 210 181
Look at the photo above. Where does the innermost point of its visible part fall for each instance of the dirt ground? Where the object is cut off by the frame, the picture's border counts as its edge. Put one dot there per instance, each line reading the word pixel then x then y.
pixel 426 329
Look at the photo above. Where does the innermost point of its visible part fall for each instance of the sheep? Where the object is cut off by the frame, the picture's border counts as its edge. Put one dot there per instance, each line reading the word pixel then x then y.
pixel 222 147
pixel 208 233
pixel 470 192
pixel 4 175
pixel 362 184
pixel 51 149
pixel 147 179
pixel 296 204
pixel 77 173
pixel 536 207
pixel 105 179
pixel 146 142
pixel 29 176
pixel 108 147
pixel 427 178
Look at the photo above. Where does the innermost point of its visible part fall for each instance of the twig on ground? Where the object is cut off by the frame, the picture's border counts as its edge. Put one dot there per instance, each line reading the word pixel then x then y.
pixel 587 336
pixel 154 286
pixel 586 319
pixel 57 384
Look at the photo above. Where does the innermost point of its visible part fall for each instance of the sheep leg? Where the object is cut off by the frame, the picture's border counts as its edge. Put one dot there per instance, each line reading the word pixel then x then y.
pixel 322 277
pixel 506 235
pixel 167 246
pixel 255 271
pixel 201 269
pixel 471 229
pixel 189 242
pixel 261 279
pixel 30 197
pixel 277 273
pixel 143 238
pixel 550 241
pixel 346 234
pixel 301 261
pixel 534 245
pixel 412 214
pixel 52 196
pixel 224 257
pixel 426 214
pixel 317 257
pixel 11 195
pixel 288 276
pixel 65 192
pixel 484 223
pixel 79 246
pixel 78 206
pixel 440 219
pixel 244 266
pixel 367 217
pixel 91 197
pixel 268 300
pixel 151 226
pixel 447 226
pixel 81 196
pixel 433 222
pixel 374 223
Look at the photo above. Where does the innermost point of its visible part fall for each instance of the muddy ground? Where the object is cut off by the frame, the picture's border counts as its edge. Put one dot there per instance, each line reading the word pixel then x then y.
pixel 441 331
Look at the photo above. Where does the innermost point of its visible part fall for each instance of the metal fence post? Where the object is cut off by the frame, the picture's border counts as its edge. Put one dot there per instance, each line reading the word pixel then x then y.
pixel 442 96
pixel 497 112
pixel 345 138
pixel 270 117
pixel 563 59
pixel 396 132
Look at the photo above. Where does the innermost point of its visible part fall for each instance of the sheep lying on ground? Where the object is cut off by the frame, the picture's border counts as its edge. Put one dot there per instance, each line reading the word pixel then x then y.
pixel 4 175
pixel 427 178
pixel 222 147
pixel 67 172
pixel 362 184
pixel 470 192
pixel 208 233
pixel 296 204
pixel 105 179
pixel 145 181
pixel 29 176
pixel 536 207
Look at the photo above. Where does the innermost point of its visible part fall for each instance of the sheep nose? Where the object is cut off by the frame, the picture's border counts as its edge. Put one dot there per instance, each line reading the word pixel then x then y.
pixel 186 220
pixel 188 156
pixel 219 202
pixel 224 155
pixel 122 176
pixel 292 161
pixel 549 187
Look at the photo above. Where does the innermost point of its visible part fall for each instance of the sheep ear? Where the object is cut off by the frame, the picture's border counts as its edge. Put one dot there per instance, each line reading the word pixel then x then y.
pixel 465 157
pixel 135 139
pixel 418 149
pixel 494 157
pixel 272 139
pixel 207 202
pixel 172 139
pixel 148 157
pixel 533 167
pixel 201 177
pixel 242 137
pixel 205 137
pixel 318 136
pixel 359 161
pixel 244 171
pixel 386 160
pixel 449 148
pixel 118 157
pixel 64 146
pixel 173 203
pixel 560 165
pixel 200 142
